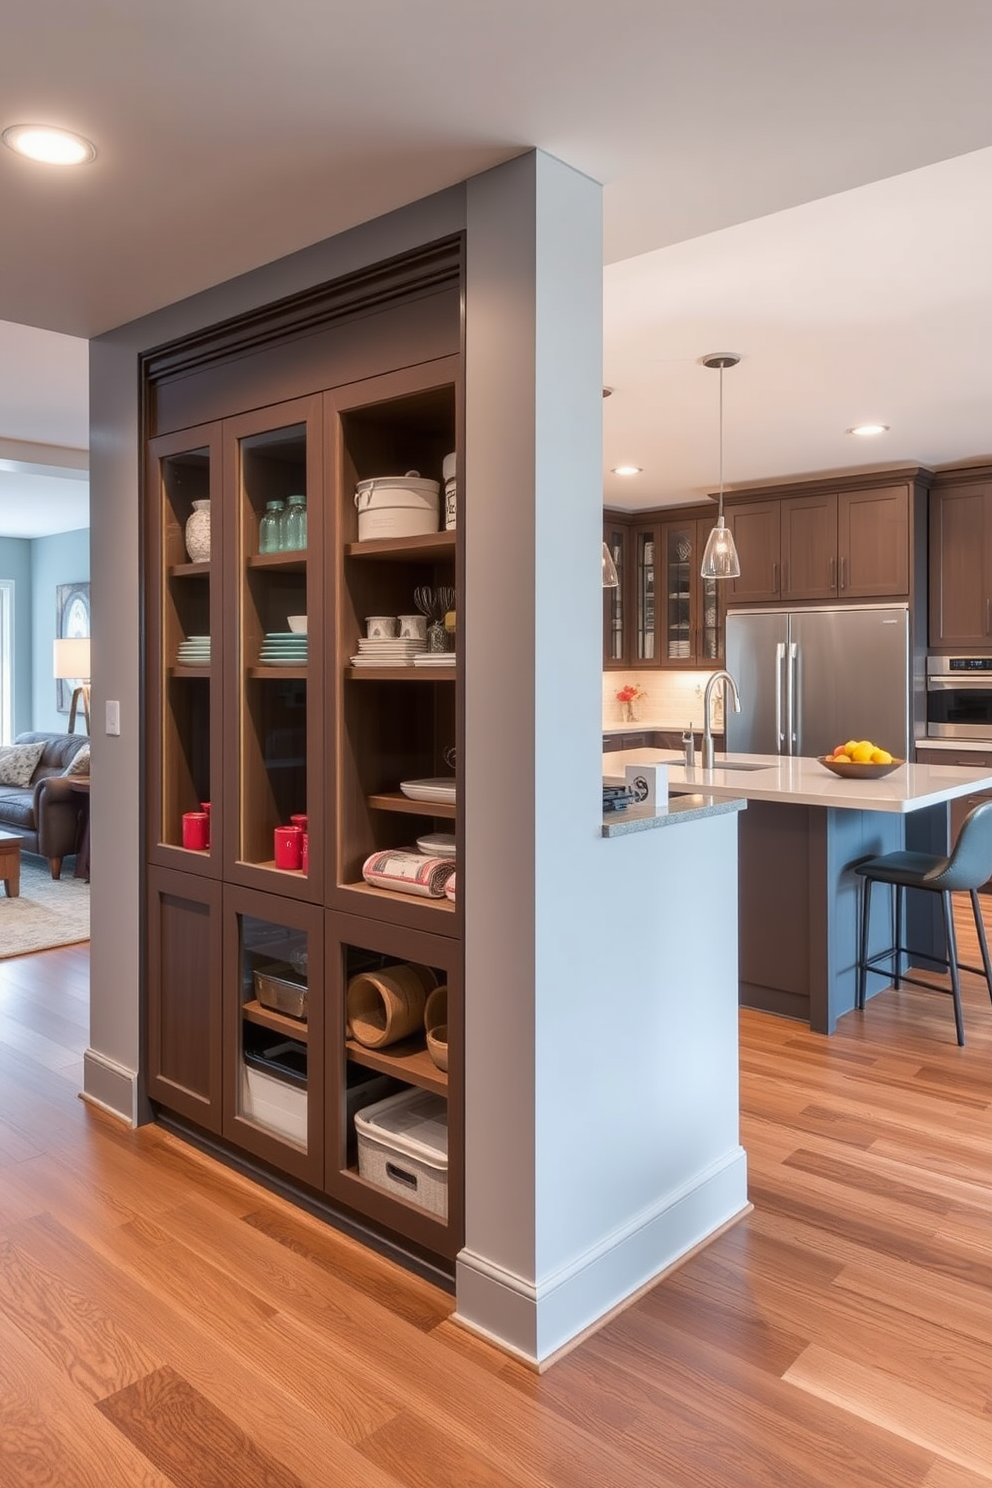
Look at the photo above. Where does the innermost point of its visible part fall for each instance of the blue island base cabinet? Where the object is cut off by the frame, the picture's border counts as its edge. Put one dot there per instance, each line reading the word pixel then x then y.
pixel 799 900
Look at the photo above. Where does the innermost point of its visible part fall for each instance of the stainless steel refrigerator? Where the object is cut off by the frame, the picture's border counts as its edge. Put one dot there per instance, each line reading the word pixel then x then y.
pixel 812 679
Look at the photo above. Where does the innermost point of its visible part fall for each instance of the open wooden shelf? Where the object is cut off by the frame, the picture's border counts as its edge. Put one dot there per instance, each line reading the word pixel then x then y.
pixel 189 671
pixel 401 674
pixel 283 562
pixel 278 673
pixel 408 1060
pixel 188 570
pixel 430 546
pixel 397 801
pixel 254 1012
pixel 441 906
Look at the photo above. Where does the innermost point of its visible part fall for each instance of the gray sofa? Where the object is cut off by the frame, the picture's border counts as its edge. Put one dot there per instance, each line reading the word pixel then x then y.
pixel 46 813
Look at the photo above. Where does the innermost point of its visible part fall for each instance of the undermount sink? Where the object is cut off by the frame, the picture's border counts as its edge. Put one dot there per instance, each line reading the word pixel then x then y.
pixel 721 764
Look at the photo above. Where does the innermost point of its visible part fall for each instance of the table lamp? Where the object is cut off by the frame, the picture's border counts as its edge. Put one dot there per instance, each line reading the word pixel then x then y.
pixel 72 664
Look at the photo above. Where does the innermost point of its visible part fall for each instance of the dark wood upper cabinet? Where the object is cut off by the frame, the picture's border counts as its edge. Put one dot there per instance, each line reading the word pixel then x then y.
pixel 824 545
pixel 616 628
pixel 873 545
pixel 757 535
pixel 961 565
pixel 809 547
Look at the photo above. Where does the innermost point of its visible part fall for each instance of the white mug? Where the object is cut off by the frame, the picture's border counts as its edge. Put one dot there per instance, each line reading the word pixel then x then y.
pixel 381 627
pixel 413 627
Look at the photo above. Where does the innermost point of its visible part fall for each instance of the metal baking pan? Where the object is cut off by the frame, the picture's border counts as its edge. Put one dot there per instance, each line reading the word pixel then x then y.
pixel 281 993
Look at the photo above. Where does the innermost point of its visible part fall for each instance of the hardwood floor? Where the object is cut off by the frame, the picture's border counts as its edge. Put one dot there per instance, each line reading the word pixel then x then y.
pixel 163 1322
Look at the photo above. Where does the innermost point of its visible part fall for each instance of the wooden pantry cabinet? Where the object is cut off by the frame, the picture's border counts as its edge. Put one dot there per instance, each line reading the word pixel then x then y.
pixel 363 379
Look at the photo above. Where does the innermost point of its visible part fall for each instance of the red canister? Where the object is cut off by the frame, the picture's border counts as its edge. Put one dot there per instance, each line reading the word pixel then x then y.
pixel 288 848
pixel 196 830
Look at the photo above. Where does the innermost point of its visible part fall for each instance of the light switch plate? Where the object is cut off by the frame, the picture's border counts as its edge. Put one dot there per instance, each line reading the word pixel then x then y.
pixel 113 718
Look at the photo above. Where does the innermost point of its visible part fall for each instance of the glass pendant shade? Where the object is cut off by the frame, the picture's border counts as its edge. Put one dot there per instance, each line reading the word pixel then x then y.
pixel 611 579
pixel 720 560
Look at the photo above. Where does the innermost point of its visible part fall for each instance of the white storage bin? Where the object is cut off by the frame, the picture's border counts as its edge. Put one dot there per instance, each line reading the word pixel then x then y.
pixel 275 1104
pixel 403 1148
pixel 397 506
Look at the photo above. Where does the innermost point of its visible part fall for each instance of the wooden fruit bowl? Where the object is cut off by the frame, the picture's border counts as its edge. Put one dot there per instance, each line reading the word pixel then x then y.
pixel 849 770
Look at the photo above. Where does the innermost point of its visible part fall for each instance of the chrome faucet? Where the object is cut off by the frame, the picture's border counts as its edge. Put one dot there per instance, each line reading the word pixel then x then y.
pixel 728 682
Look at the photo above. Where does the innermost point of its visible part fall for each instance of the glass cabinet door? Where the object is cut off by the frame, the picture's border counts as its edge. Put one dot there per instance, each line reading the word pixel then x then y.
pixel 645 639
pixel 185 629
pixel 615 537
pixel 679 546
pixel 277 473
pixel 273 1100
pixel 710 638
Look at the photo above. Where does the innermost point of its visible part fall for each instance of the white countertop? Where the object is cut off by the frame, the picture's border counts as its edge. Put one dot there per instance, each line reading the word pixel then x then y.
pixel 805 782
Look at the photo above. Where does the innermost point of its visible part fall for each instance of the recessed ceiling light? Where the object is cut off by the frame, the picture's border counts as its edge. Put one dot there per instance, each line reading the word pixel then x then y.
pixel 627 469
pixel 50 146
pixel 867 430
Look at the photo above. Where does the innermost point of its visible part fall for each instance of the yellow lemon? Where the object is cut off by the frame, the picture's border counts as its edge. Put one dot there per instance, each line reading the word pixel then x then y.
pixel 861 753
pixel 881 757
pixel 850 745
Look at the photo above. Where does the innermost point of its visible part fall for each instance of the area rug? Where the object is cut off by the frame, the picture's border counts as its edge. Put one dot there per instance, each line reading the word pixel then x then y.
pixel 48 912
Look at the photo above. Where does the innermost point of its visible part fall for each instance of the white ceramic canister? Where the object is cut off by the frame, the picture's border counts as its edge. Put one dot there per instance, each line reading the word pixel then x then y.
pixel 450 492
pixel 397 506
pixel 198 533
pixel 413 627
pixel 381 627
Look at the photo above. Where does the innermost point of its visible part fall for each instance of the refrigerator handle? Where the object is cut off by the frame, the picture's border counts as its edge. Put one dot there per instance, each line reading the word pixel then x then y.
pixel 779 668
pixel 790 698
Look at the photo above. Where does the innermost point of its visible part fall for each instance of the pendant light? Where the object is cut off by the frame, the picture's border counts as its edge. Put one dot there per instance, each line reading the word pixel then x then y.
pixel 720 560
pixel 611 579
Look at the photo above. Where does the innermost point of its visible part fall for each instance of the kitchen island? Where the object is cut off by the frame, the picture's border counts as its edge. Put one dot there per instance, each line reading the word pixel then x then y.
pixel 801 837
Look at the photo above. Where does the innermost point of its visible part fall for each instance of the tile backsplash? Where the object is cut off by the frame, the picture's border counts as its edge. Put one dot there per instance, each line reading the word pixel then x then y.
pixel 673 699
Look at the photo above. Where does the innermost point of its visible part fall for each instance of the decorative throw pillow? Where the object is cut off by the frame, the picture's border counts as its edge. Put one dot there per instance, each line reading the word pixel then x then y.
pixel 80 762
pixel 18 762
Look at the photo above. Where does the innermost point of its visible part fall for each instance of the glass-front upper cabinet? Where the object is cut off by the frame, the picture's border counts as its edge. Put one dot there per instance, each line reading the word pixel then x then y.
pixel 691 632
pixel 275 801
pixel 185 629
pixel 616 536
pixel 646 650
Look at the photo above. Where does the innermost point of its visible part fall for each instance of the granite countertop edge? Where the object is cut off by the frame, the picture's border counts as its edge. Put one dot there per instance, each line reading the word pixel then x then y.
pixel 681 809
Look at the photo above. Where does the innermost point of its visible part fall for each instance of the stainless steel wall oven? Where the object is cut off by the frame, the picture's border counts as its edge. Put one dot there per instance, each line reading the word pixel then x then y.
pixel 959 697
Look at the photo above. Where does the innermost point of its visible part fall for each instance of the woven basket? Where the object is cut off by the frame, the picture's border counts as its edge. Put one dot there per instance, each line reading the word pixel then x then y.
pixel 436 1010
pixel 437 1045
pixel 387 1005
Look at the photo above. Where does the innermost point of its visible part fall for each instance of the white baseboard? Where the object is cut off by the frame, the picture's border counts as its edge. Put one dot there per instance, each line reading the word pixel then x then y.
pixel 110 1085
pixel 534 1321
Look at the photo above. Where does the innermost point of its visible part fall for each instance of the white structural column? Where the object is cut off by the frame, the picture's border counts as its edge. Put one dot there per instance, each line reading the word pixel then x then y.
pixel 601 1007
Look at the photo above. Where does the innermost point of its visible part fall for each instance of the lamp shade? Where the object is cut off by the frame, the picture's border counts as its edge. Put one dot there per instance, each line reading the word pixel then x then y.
pixel 720 560
pixel 72 659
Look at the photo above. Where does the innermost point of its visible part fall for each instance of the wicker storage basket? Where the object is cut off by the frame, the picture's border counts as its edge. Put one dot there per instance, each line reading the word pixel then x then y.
pixel 388 1005
pixel 436 1024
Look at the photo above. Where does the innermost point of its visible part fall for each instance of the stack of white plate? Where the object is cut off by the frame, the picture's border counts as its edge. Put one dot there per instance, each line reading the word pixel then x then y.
pixel 194 651
pixel 388 651
pixel 283 648
pixel 436 659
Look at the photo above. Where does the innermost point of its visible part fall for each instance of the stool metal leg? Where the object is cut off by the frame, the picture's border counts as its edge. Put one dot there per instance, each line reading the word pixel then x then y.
pixel 982 942
pixel 896 979
pixel 952 957
pixel 863 959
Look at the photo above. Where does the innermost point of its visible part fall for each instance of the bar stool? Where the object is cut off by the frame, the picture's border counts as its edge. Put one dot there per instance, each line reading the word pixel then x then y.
pixel 968 867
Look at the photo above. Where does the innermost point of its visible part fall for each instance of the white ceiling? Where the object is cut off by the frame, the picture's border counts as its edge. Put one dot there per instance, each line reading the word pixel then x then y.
pixel 228 135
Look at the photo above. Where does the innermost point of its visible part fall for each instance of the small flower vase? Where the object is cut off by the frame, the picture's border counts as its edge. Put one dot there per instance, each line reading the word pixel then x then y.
pixel 629 716
pixel 198 533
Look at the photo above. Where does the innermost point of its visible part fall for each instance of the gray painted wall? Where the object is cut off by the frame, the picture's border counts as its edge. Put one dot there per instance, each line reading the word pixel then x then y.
pixel 15 563
pixel 61 559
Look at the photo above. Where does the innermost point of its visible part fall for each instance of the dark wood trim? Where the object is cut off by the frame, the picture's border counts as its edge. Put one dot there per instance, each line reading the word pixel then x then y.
pixel 421 270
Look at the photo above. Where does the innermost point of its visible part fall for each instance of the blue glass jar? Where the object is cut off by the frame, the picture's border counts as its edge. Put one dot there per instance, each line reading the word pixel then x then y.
pixel 270 528
pixel 295 523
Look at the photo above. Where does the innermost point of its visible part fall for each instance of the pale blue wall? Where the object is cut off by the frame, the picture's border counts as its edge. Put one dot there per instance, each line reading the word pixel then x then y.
pixel 15 563
pixel 62 559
